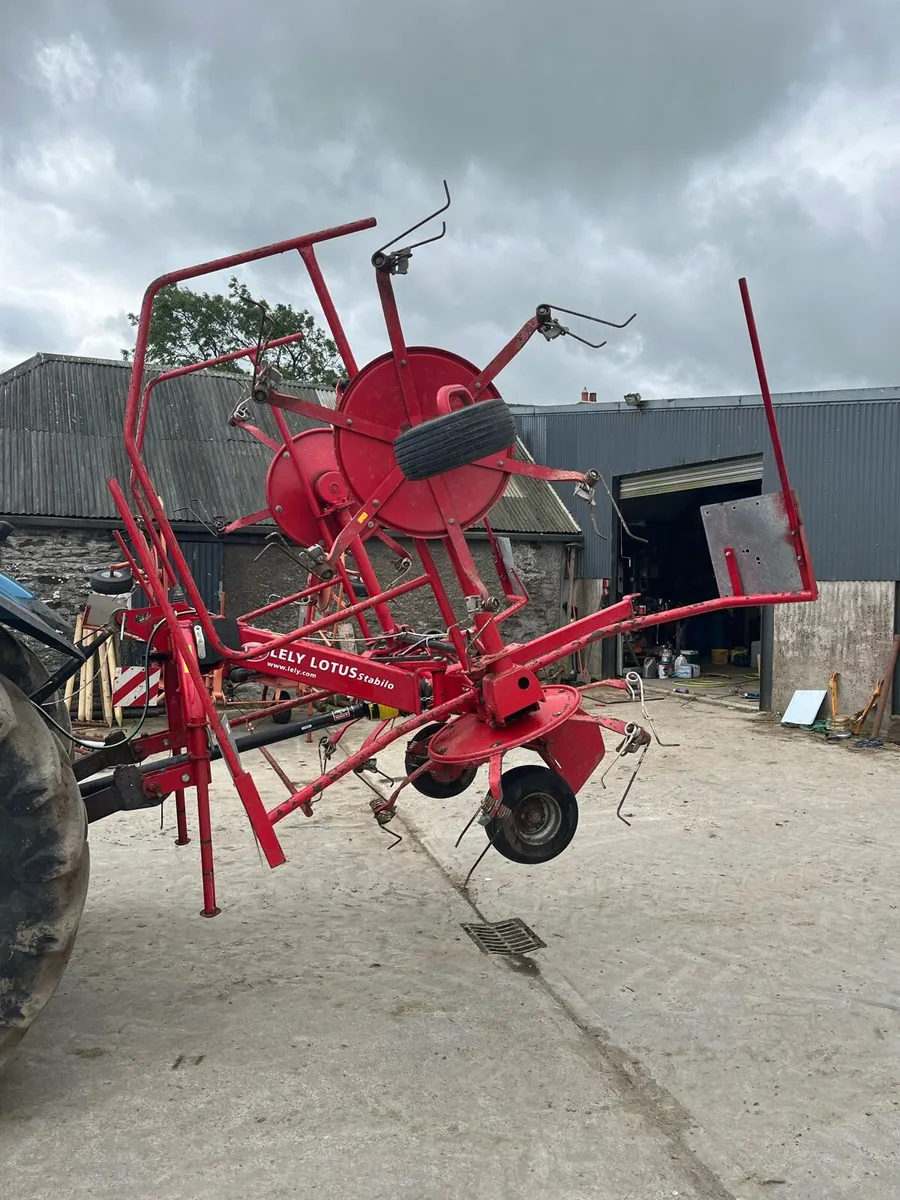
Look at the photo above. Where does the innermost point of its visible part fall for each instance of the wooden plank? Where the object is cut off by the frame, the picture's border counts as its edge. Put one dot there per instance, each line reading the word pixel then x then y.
pixel 70 683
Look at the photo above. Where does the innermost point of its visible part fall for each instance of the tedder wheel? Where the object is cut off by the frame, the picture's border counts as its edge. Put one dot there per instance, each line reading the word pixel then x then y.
pixel 287 714
pixel 541 816
pixel 459 778
pixel 455 439
pixel 44 859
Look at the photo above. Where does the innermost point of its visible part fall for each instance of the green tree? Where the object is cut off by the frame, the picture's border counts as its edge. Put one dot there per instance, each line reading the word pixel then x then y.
pixel 189 327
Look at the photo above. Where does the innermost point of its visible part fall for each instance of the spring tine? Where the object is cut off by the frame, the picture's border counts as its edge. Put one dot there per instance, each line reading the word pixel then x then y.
pixel 624 820
pixel 475 864
pixel 631 732
pixel 468 826
pixel 418 225
pixel 398 837
pixel 586 317
pixel 425 241
pixel 584 341
pixel 635 681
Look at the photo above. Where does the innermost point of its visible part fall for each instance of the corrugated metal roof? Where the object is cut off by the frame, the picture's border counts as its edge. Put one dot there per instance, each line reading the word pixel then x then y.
pixel 61 437
pixel 836 396
pixel 841 452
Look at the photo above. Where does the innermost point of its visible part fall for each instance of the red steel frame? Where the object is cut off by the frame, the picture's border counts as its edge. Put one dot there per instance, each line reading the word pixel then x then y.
pixel 480 690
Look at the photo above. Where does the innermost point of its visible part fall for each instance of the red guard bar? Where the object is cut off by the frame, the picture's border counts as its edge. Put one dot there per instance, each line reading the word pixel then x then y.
pixel 208 268
pixel 133 405
pixel 774 436
pixel 176 372
pixel 186 652
pixel 790 505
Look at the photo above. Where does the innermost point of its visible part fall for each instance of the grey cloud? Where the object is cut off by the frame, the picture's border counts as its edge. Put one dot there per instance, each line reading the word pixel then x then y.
pixel 569 134
pixel 27 330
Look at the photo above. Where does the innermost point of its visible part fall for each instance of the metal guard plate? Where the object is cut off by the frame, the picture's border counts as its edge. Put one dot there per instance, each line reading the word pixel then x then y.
pixel 757 529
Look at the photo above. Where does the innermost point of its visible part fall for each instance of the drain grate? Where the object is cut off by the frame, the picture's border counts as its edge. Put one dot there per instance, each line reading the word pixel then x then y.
pixel 504 937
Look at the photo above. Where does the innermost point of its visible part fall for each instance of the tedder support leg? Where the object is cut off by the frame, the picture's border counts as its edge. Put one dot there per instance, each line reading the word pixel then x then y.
pixel 204 826
pixel 199 753
pixel 181 819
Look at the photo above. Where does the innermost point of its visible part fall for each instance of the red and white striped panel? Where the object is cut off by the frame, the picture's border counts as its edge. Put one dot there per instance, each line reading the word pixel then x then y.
pixel 130 685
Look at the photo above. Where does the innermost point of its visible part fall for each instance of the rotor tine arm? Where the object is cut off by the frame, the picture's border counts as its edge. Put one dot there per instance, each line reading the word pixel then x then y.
pixel 367 516
pixel 517 466
pixel 544 321
pixel 239 421
pixel 506 355
pixel 328 416
pixel 395 547
pixel 245 522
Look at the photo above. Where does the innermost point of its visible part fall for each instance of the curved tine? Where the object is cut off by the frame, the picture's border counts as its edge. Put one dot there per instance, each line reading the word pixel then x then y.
pixel 418 225
pixel 586 316
pixel 425 241
pixel 585 342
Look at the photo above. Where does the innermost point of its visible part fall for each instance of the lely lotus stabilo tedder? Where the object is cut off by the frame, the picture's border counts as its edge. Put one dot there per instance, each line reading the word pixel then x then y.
pixel 419 446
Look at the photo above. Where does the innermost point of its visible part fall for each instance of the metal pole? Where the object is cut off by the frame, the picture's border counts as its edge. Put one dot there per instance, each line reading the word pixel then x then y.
pixel 887 688
pixel 766 654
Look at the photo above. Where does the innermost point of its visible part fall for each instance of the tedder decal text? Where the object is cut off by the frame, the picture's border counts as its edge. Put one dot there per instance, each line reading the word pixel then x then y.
pixel 310 666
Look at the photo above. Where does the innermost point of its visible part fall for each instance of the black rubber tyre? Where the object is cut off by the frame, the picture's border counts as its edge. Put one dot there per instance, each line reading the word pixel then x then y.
pixel 112 583
pixel 44 857
pixel 426 784
pixel 286 715
pixel 451 441
pixel 538 818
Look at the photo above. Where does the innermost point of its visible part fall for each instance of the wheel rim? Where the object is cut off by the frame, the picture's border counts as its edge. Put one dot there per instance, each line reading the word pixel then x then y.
pixel 537 819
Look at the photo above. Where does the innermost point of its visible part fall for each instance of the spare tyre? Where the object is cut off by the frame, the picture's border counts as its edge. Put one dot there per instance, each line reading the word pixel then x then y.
pixel 455 439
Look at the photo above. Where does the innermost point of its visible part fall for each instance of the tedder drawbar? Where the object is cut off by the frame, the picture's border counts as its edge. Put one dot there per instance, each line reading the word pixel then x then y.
pixel 420 445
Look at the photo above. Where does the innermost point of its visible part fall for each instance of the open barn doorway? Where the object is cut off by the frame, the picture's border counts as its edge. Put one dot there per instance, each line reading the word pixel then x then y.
pixel 672 568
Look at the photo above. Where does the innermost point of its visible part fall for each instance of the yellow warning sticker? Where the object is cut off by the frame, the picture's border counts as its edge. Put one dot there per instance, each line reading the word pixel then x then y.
pixel 362 518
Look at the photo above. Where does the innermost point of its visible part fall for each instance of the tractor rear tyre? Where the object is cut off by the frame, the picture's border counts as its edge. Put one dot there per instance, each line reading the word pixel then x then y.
pixel 538 816
pixel 44 857
pixel 456 439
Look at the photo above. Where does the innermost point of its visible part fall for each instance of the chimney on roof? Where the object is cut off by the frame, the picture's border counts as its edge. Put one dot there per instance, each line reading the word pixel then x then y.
pixel 593 398
pixel 585 396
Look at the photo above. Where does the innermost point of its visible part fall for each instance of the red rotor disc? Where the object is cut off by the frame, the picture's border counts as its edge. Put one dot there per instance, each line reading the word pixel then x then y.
pixel 375 396
pixel 287 496
pixel 470 739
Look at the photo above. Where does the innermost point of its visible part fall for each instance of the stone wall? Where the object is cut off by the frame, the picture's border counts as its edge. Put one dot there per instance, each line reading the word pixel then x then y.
pixel 250 584
pixel 55 563
pixel 848 629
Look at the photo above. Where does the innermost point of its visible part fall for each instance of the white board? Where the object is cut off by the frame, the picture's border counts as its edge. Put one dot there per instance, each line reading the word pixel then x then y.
pixel 804 707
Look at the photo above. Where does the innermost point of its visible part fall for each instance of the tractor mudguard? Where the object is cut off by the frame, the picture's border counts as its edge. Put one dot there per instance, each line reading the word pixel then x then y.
pixel 21 610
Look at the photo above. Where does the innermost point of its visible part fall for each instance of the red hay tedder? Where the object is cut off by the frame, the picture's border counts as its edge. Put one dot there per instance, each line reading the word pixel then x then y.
pixel 420 445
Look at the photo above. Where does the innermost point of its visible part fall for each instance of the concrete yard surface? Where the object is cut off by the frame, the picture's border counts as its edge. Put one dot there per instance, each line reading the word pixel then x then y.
pixel 717 1011
pixel 737 947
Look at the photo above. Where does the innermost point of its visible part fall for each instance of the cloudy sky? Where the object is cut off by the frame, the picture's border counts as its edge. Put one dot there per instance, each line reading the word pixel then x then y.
pixel 602 155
